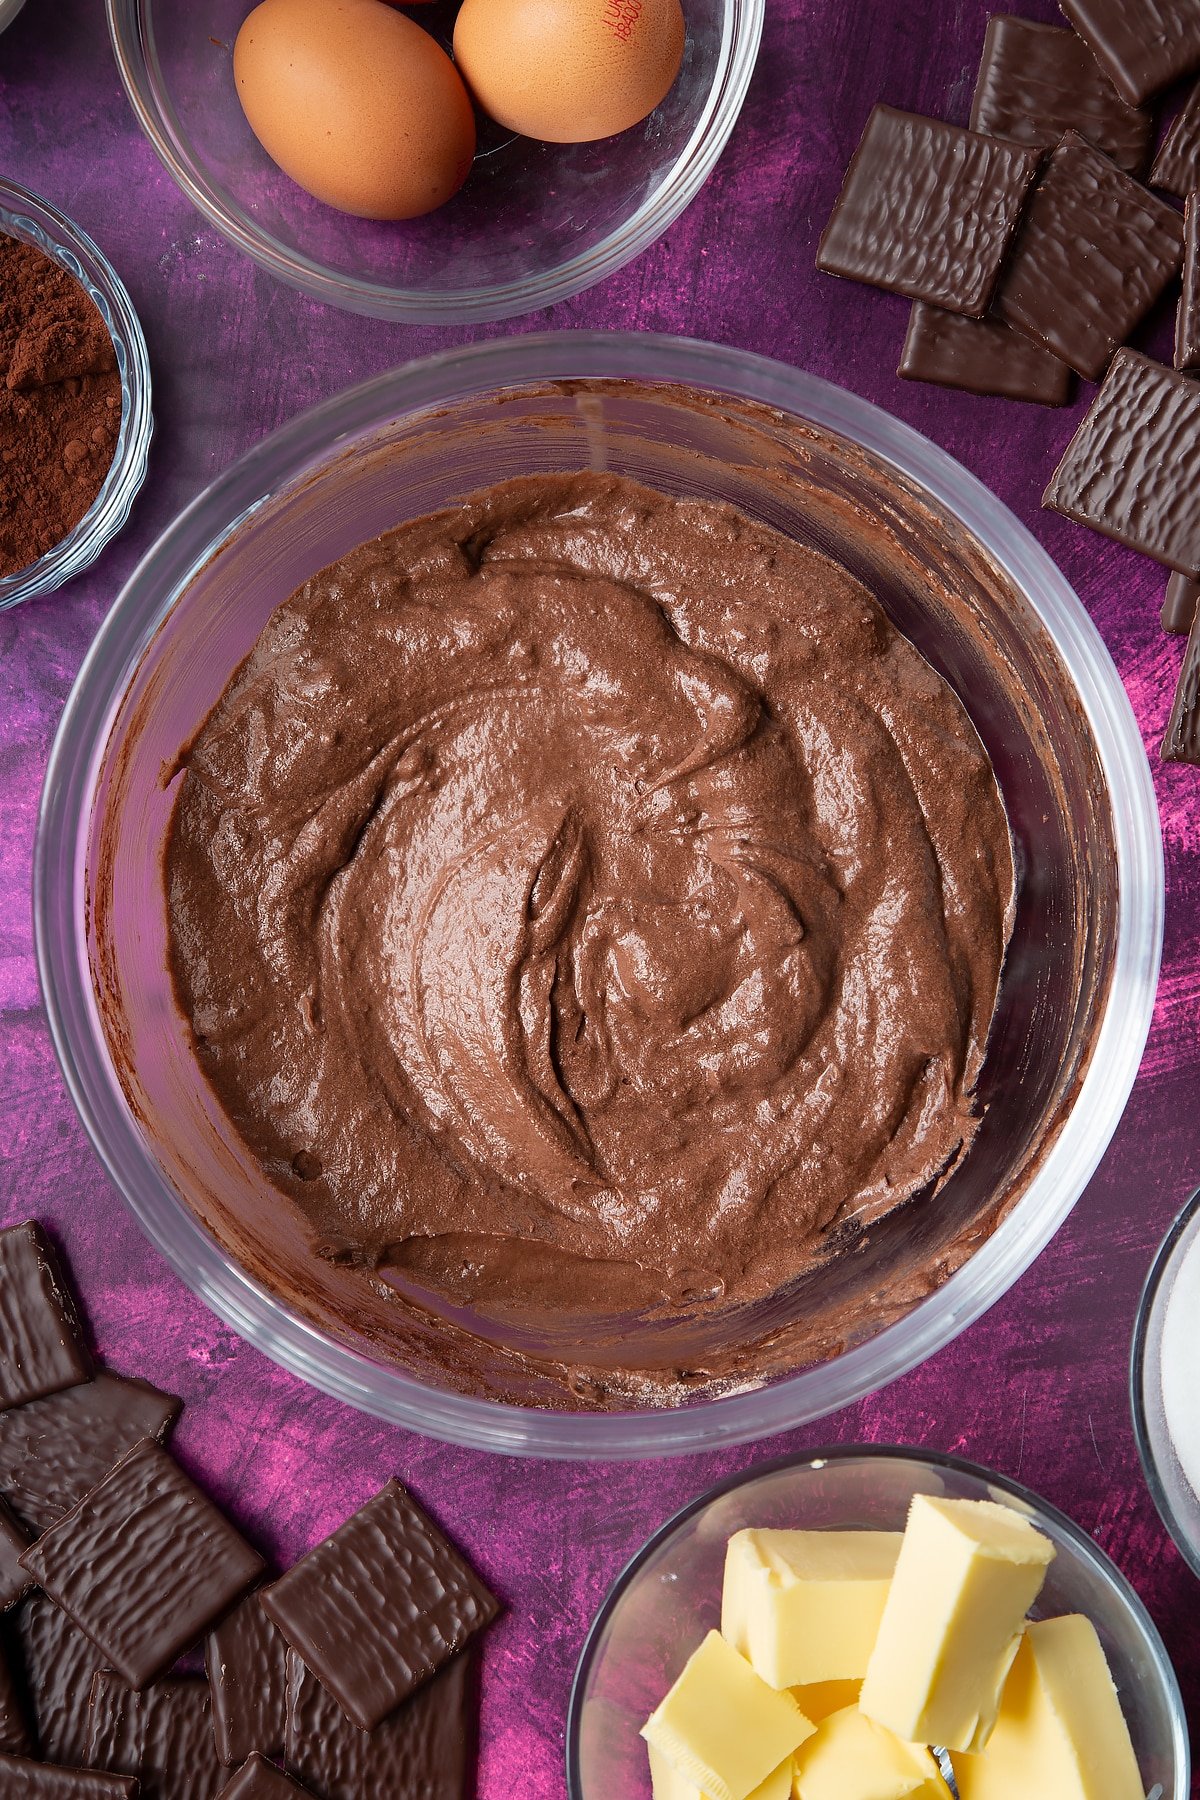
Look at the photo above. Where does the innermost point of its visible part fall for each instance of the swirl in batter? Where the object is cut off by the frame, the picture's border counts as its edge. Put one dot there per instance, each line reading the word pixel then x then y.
pixel 584 899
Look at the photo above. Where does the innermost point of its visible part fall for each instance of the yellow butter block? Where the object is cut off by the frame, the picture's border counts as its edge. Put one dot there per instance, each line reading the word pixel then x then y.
pixel 668 1784
pixel 967 1573
pixel 721 1726
pixel 804 1606
pixel 817 1699
pixel 1060 1733
pixel 850 1757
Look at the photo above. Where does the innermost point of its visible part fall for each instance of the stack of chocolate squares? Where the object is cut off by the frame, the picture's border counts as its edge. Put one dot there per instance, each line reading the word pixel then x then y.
pixel 349 1678
pixel 1032 251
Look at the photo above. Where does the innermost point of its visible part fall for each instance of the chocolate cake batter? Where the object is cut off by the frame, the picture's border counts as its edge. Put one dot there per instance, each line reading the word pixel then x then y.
pixel 586 900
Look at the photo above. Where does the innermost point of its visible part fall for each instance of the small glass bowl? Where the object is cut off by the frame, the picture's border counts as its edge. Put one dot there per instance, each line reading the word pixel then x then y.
pixel 534 224
pixel 1175 1496
pixel 669 1596
pixel 23 215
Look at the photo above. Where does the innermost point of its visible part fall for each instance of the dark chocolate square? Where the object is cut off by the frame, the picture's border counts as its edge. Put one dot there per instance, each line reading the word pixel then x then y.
pixel 15 1736
pixel 59 1662
pixel 380 1606
pixel 1094 252
pixel 143 1564
pixel 1037 81
pixel 15 1582
pixel 1144 45
pixel 1132 470
pixel 41 1349
pixel 1182 740
pixel 927 209
pixel 246 1659
pixel 981 356
pixel 1187 313
pixel 54 1451
pixel 424 1751
pixel 21 1779
pixel 1179 604
pixel 163 1735
pixel 261 1780
pixel 1177 165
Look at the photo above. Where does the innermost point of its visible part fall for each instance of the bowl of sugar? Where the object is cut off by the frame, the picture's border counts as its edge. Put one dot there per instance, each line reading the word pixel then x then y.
pixel 1164 1390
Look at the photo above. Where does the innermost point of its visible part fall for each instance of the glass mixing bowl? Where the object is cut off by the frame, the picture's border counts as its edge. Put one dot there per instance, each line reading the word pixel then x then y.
pixel 23 215
pixel 958 574
pixel 534 224
pixel 670 1596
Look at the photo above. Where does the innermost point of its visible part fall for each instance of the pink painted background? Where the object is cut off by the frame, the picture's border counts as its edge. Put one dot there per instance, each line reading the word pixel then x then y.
pixel 1038 1387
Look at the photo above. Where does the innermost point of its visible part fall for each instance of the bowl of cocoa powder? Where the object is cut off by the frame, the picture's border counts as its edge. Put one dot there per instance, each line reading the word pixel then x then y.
pixel 75 420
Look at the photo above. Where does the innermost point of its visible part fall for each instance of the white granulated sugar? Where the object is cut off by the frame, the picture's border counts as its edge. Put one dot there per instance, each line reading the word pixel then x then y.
pixel 1181 1364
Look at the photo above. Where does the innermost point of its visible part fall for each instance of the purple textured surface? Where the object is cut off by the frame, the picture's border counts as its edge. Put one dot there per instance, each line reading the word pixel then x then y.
pixel 1037 1388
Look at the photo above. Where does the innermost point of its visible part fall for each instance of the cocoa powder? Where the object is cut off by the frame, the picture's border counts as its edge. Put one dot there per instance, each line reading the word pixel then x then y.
pixel 60 403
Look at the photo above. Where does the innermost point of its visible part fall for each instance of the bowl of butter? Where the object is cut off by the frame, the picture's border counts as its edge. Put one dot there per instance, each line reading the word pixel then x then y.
pixel 870 1623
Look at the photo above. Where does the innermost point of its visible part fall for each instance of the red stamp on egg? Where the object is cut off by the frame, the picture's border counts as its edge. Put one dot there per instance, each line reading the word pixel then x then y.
pixel 621 16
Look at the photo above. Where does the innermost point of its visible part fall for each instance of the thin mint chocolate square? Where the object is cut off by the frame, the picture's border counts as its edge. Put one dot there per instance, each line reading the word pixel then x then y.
pixel 1037 81
pixel 424 1751
pixel 981 356
pixel 1177 165
pixel 41 1349
pixel 21 1779
pixel 380 1606
pixel 261 1780
pixel 15 1582
pixel 143 1564
pixel 1144 45
pixel 1179 604
pixel 1132 470
pixel 15 1736
pixel 162 1735
pixel 1187 313
pixel 1094 252
pixel 59 1664
pixel 246 1659
pixel 54 1451
pixel 1182 740
pixel 928 209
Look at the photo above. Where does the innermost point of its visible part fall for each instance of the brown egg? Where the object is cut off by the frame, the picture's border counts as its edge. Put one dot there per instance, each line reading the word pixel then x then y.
pixel 569 70
pixel 357 103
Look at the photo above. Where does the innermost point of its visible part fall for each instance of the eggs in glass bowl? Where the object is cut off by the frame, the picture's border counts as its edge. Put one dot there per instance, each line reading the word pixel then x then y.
pixel 534 223
pixel 363 108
